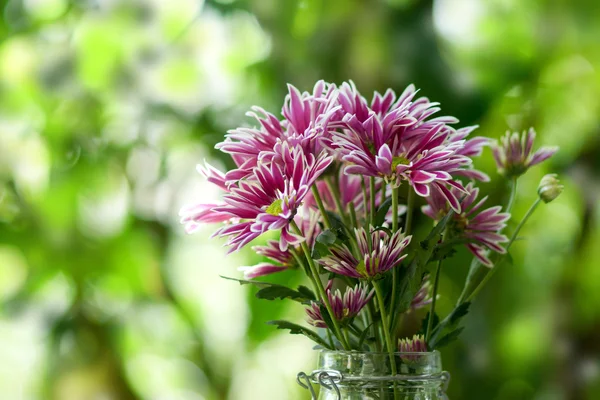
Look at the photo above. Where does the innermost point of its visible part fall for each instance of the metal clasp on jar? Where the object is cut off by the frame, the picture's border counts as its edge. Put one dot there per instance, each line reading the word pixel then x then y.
pixel 330 379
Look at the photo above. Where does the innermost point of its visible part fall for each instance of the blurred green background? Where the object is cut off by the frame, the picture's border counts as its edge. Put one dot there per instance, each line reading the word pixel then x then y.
pixel 106 106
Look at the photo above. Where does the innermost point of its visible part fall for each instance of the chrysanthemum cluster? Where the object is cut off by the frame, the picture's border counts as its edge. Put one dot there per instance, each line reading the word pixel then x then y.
pixel 337 179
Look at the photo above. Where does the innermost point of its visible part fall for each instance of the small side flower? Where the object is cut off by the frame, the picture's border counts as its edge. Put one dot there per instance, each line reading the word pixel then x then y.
pixel 378 254
pixel 415 345
pixel 423 297
pixel 550 188
pixel 481 227
pixel 514 153
pixel 345 307
pixel 280 260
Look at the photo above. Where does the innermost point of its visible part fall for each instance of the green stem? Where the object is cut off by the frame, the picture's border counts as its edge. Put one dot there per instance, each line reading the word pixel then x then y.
pixel 373 195
pixel 386 329
pixel 320 288
pixel 353 215
pixel 370 313
pixel 409 210
pixel 394 229
pixel 354 329
pixel 433 300
pixel 513 194
pixel 317 197
pixel 475 264
pixel 395 191
pixel 306 270
pixel 489 275
pixel 346 335
pixel 335 193
pixel 364 192
pixel 331 342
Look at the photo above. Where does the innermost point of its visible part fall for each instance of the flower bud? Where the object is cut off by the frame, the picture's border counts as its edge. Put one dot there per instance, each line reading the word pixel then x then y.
pixel 549 188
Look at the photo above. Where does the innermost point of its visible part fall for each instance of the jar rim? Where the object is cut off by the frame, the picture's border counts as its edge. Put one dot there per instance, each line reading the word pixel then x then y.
pixel 377 353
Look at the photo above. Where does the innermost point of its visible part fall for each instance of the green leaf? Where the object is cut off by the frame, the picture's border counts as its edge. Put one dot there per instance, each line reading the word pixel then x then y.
pixel 449 323
pixel 296 329
pixel 309 294
pixel 447 249
pixel 319 250
pixel 338 227
pixel 408 281
pixel 384 229
pixel 382 212
pixel 327 237
pixel 258 284
pixel 326 317
pixel 446 339
pixel 273 291
pixel 437 230
pixel 280 292
pixel 458 313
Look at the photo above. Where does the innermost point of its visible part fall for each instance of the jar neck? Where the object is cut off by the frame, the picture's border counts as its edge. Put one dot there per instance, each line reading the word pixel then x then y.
pixel 357 375
pixel 362 364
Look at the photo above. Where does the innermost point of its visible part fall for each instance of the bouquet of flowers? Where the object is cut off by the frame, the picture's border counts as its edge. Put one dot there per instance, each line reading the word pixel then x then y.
pixel 340 180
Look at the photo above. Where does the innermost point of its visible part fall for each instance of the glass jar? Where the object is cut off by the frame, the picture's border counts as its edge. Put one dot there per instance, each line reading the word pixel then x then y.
pixel 362 376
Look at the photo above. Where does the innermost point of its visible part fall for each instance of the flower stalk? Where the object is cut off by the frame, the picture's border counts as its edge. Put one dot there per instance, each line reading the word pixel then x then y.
pixel 436 283
pixel 395 199
pixel 409 211
pixel 319 201
pixel 373 194
pixel 491 272
pixel 385 326
pixel 321 290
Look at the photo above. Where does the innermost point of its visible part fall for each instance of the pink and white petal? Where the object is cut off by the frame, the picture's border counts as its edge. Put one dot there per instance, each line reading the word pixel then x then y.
pixel 450 197
pixel 203 213
pixel 261 269
pixel 289 238
pixel 542 155
pixel 421 190
pixel 480 254
pixel 422 177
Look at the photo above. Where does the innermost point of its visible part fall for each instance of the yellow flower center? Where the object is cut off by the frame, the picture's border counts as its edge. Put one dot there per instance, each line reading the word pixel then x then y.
pixel 399 160
pixel 275 208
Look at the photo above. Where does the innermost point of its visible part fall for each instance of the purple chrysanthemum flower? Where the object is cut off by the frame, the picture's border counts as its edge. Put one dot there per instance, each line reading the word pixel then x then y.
pixel 482 227
pixel 305 123
pixel 344 307
pixel 395 140
pixel 308 116
pixel 315 318
pixel 267 199
pixel 270 201
pixel 514 153
pixel 423 296
pixel 378 254
pixel 246 144
pixel 415 345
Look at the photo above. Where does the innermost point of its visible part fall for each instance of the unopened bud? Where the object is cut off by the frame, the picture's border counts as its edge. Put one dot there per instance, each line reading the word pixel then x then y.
pixel 550 188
